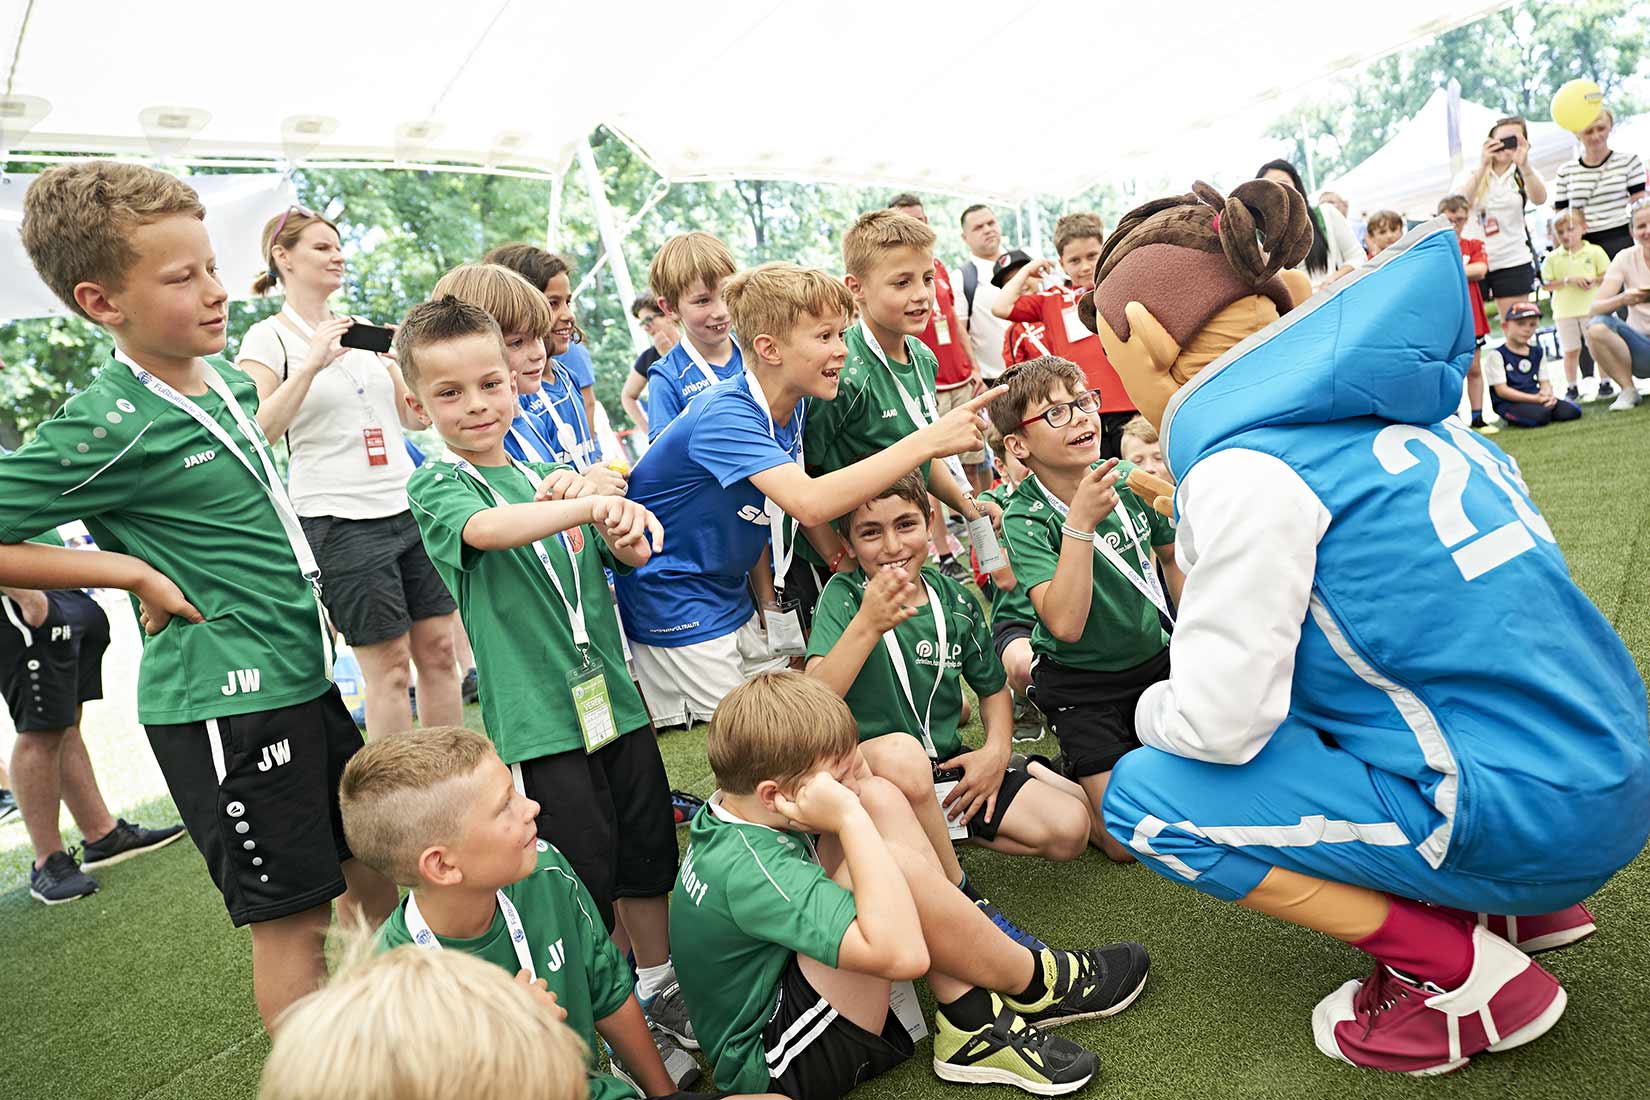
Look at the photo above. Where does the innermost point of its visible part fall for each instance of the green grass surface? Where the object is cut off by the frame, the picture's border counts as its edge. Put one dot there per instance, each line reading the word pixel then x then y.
pixel 144 990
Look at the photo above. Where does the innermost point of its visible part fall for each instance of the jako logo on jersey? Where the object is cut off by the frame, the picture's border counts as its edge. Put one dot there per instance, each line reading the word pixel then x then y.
pixel 558 956
pixel 199 457
pixel 243 681
pixel 750 513
pixel 889 414
pixel 275 755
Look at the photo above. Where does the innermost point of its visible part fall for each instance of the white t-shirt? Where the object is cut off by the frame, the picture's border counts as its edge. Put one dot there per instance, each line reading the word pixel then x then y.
pixel 1499 220
pixel 1629 271
pixel 1495 369
pixel 985 329
pixel 330 474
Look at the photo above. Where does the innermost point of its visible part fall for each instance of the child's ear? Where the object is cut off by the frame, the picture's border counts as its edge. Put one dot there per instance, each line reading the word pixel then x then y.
pixel 666 308
pixel 436 869
pixel 1015 444
pixel 94 300
pixel 765 793
pixel 417 408
pixel 855 287
pixel 766 348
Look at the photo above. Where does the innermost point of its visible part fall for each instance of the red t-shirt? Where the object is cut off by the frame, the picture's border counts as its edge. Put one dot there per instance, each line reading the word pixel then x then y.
pixel 1023 343
pixel 1472 252
pixel 1067 337
pixel 953 370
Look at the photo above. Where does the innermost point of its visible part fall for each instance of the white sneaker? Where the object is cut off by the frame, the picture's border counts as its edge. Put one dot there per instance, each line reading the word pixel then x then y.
pixel 1629 398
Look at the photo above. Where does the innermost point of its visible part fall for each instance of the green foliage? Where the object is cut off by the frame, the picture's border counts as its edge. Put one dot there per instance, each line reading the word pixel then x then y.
pixel 1513 60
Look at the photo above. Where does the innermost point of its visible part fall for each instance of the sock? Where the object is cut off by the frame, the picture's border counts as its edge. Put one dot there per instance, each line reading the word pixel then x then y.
pixel 1038 989
pixel 1478 418
pixel 968 890
pixel 1431 944
pixel 971 1011
pixel 654 980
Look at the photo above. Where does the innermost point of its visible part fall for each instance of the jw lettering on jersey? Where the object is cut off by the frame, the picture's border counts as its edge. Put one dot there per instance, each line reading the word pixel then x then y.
pixel 243 681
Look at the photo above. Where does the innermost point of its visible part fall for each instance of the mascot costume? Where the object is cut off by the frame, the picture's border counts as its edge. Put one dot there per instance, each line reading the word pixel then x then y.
pixel 1329 749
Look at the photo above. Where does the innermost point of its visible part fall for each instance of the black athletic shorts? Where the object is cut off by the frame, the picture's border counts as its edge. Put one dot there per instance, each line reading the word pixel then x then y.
pixel 1509 282
pixel 609 813
pixel 47 671
pixel 1005 631
pixel 259 795
pixel 815 1054
pixel 982 828
pixel 376 579
pixel 1092 713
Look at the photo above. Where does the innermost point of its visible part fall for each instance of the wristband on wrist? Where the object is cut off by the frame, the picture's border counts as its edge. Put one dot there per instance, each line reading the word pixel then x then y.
pixel 1071 532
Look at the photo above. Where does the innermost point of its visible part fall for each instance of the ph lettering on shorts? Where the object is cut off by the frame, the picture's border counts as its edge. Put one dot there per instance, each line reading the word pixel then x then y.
pixel 557 956
pixel 243 681
pixel 275 755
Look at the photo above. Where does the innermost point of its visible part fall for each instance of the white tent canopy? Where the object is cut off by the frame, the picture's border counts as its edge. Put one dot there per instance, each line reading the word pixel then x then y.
pixel 971 96
pixel 1411 172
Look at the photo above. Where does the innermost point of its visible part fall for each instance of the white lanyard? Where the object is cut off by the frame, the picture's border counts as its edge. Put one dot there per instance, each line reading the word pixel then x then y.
pixel 699 361
pixel 925 411
pixel 1146 580
pixel 776 515
pixel 897 656
pixel 270 483
pixel 419 928
pixel 567 437
pixel 575 608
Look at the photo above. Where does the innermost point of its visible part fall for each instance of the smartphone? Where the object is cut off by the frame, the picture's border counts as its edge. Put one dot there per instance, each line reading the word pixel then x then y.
pixel 368 337
pixel 948 775
pixel 1510 141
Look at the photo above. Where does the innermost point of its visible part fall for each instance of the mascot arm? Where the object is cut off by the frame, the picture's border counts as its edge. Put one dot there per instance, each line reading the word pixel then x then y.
pixel 1248 541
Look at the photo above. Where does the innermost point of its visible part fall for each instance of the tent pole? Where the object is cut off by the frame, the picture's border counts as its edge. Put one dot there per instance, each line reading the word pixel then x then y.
pixel 555 214
pixel 1311 172
pixel 611 240
pixel 1035 223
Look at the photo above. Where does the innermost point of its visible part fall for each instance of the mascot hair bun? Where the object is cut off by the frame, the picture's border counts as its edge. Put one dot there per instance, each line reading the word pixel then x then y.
pixel 1187 257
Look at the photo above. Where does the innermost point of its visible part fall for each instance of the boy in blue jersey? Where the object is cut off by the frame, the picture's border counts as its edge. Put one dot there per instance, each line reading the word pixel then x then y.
pixel 1520 390
pixel 687 276
pixel 1327 747
pixel 728 473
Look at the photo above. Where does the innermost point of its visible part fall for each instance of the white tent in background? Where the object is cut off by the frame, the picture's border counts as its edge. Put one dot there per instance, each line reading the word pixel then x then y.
pixel 1411 172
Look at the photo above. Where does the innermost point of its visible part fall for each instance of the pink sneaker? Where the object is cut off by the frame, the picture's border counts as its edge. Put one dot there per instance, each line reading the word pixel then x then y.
pixel 1389 1023
pixel 1543 932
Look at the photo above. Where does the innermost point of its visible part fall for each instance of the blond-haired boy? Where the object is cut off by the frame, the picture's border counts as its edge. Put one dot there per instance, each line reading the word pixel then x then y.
pixel 687 276
pixel 438 811
pixel 1573 272
pixel 790 943
pixel 162 456
pixel 1142 448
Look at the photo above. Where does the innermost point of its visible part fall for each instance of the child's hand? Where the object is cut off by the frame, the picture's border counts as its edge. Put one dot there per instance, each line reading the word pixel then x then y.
pixel 962 429
pixel 563 485
pixel 159 600
pixel 976 792
pixel 889 600
pixel 992 511
pixel 541 993
pixel 625 524
pixel 1095 496
pixel 820 804
pixel 606 480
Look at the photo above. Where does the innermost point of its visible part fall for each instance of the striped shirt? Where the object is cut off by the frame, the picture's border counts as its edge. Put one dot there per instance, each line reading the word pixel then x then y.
pixel 1603 190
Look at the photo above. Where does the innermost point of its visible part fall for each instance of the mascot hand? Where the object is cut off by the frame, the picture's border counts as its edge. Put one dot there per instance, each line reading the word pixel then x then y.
pixel 1153 488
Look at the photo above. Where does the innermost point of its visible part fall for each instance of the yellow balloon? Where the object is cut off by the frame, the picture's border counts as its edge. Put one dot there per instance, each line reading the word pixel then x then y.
pixel 1577 105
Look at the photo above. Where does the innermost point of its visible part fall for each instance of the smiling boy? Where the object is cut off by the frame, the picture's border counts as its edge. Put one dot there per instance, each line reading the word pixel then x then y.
pixel 687 276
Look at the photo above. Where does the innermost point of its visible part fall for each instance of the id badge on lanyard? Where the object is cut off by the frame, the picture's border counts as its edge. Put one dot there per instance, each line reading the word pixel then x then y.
pixel 784 623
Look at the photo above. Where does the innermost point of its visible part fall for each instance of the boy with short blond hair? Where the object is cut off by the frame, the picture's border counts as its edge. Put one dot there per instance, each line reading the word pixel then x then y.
pixel 557 699
pixel 1142 448
pixel 789 944
pixel 1382 230
pixel 686 275
pixel 1077 241
pixel 1573 272
pixel 1082 545
pixel 439 812
pixel 161 455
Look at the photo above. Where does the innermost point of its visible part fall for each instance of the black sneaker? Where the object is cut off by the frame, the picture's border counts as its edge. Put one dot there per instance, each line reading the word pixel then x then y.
pixel 1011 1052
pixel 126 840
pixel 683 806
pixel 955 569
pixel 1604 390
pixel 60 880
pixel 470 687
pixel 1081 985
pixel 679 1064
pixel 1029 724
pixel 1572 394
pixel 8 803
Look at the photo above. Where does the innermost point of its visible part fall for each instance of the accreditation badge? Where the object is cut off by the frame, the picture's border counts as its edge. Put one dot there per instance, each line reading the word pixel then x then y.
pixel 590 702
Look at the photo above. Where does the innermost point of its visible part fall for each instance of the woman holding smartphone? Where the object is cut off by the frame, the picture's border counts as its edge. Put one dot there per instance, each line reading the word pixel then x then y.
pixel 342 410
pixel 1500 189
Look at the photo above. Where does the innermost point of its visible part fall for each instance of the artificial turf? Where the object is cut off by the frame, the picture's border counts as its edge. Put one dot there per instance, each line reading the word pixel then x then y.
pixel 144 990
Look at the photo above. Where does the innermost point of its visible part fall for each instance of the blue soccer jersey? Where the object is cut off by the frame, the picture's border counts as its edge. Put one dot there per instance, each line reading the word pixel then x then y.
pixel 576 360
pixel 675 378
pixel 559 409
pixel 695 479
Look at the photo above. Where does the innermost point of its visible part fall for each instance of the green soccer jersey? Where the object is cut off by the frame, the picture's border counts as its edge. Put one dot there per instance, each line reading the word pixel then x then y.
pixel 48 537
pixel 1013 606
pixel 151 482
pixel 566 941
pixel 1123 629
pixel 877 698
pixel 518 624
pixel 747 899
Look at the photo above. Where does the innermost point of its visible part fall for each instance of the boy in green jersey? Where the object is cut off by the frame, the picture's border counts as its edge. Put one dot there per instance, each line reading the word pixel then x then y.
pixel 438 811
pixel 808 887
pixel 1082 546
pixel 161 456
pixel 527 573
pixel 895 639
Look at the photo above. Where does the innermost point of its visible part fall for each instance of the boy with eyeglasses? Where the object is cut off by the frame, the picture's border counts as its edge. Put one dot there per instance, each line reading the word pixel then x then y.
pixel 1082 545
pixel 662 331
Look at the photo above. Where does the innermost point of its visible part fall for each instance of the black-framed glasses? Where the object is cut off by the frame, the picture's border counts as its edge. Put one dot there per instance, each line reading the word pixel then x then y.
pixel 1058 416
pixel 646 320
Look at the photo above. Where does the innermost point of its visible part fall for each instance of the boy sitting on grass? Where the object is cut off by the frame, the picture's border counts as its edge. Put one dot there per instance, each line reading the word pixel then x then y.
pixel 1082 546
pixel 1521 391
pixel 808 887
pixel 895 639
